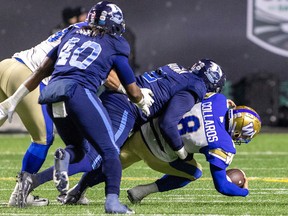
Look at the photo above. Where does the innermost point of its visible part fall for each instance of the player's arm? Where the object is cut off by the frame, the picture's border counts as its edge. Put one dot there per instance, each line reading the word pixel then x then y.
pixel 8 106
pixel 179 104
pixel 224 186
pixel 113 83
pixel 141 97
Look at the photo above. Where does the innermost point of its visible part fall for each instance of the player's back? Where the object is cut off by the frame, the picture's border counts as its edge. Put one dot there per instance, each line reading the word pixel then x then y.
pixel 88 58
pixel 202 128
pixel 167 80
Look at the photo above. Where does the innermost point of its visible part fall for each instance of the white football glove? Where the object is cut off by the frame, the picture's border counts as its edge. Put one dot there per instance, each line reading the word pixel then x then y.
pixel 7 109
pixel 146 102
pixel 182 153
pixel 8 106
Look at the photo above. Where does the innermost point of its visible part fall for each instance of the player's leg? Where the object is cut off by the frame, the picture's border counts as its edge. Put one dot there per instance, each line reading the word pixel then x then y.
pixel 178 173
pixel 122 115
pixel 90 179
pixel 31 115
pixel 6 68
pixel 89 116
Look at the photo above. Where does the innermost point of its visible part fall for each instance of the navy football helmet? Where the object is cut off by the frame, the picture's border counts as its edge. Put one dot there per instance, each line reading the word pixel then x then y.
pixel 211 73
pixel 108 17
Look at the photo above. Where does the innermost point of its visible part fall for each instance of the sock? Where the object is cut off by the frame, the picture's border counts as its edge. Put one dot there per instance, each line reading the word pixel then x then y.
pixel 112 170
pixel 168 182
pixel 91 179
pixel 45 176
pixel 34 157
pixel 82 166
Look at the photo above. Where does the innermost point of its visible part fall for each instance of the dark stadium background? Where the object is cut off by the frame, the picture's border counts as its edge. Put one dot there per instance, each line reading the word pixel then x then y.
pixel 167 31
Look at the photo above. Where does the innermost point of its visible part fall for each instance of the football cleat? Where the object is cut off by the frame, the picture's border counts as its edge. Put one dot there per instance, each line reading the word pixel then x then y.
pixel 31 200
pixel 60 173
pixel 75 197
pixel 113 206
pixel 135 196
pixel 25 186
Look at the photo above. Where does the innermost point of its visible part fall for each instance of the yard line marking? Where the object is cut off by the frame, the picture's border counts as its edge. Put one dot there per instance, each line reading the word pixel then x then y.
pixel 265 179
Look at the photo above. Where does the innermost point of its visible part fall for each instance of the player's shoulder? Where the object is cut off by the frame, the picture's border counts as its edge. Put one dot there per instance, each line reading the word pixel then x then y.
pixel 215 96
pixel 121 45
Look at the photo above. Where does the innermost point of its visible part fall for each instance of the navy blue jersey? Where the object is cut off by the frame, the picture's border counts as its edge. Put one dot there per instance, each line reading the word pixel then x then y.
pixel 168 80
pixel 166 83
pixel 87 59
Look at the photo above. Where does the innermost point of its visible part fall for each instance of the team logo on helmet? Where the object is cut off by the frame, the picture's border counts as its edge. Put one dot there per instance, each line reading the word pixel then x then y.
pixel 116 14
pixel 248 130
pixel 267 25
pixel 214 73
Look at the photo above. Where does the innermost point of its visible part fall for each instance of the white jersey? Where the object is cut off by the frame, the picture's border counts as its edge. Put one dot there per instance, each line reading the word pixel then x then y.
pixel 33 57
pixel 202 130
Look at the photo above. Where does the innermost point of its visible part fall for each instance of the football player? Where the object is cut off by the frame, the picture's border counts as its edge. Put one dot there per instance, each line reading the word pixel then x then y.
pixel 210 128
pixel 13 72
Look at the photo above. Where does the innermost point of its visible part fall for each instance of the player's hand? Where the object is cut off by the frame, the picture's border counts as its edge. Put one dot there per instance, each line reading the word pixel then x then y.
pixel 7 109
pixel 246 182
pixel 231 103
pixel 146 102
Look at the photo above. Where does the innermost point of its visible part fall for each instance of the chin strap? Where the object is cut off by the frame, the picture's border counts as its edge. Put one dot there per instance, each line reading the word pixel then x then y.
pixel 232 126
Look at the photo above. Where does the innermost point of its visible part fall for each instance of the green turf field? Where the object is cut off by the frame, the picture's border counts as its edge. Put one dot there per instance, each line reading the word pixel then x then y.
pixel 264 160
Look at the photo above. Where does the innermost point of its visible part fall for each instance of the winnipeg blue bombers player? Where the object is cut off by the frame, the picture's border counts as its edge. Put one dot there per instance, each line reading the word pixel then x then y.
pixel 13 72
pixel 209 128
pixel 79 65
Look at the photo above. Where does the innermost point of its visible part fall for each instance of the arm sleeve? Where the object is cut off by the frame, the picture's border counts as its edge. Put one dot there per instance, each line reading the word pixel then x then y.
pixel 179 104
pixel 124 70
pixel 53 54
pixel 223 186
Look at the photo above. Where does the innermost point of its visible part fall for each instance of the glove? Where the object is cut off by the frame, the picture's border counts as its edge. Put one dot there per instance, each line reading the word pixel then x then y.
pixel 146 102
pixel 8 106
pixel 182 153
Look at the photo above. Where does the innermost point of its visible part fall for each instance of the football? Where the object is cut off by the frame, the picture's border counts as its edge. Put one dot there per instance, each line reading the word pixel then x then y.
pixel 236 176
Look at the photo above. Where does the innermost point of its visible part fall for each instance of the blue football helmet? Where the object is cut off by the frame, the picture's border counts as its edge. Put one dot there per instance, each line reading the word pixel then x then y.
pixel 108 17
pixel 211 73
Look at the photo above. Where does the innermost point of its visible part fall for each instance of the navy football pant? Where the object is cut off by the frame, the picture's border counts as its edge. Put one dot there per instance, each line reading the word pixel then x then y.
pixel 88 119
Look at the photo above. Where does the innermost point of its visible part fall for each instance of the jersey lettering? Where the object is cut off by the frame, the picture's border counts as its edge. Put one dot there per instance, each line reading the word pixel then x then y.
pixel 209 123
pixel 154 75
pixel 75 60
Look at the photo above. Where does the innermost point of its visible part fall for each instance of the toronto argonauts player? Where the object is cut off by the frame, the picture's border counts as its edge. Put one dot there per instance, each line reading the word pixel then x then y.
pixel 209 128
pixel 79 66
pixel 13 72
